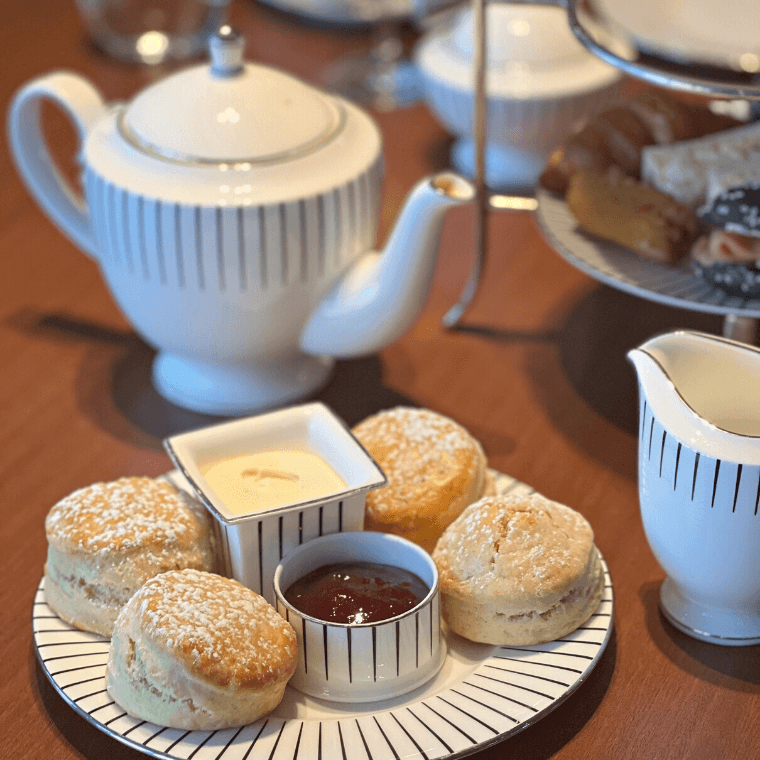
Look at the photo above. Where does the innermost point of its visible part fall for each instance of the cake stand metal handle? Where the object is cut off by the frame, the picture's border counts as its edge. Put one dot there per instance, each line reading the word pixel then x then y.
pixel 485 201
pixel 455 313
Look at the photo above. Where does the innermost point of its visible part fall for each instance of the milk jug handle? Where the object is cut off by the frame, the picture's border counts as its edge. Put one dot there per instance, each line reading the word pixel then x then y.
pixel 83 104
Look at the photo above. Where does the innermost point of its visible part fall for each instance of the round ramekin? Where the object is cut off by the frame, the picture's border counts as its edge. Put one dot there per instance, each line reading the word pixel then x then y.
pixel 365 662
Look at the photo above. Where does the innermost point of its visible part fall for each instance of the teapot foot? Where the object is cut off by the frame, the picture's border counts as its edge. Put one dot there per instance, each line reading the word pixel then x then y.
pixel 707 623
pixel 237 389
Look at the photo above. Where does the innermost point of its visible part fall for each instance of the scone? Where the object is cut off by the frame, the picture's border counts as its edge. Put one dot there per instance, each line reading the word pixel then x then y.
pixel 435 468
pixel 106 540
pixel 518 570
pixel 197 651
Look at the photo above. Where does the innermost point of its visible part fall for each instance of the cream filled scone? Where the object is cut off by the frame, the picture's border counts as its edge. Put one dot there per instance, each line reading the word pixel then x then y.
pixel 197 651
pixel 106 540
pixel 435 468
pixel 518 570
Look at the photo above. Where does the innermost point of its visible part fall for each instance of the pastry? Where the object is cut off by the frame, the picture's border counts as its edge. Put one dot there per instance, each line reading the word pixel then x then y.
pixel 729 262
pixel 625 135
pixel 728 255
pixel 681 170
pixel 733 197
pixel 614 137
pixel 197 651
pixel 435 468
pixel 719 246
pixel 621 134
pixel 667 118
pixel 584 151
pixel 106 540
pixel 671 119
pixel 517 570
pixel 618 208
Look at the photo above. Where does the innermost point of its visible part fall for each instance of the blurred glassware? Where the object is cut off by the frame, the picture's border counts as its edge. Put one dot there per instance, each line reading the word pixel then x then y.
pixel 381 78
pixel 152 31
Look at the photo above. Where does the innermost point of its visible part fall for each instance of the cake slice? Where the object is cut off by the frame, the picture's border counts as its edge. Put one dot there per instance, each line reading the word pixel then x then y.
pixel 641 218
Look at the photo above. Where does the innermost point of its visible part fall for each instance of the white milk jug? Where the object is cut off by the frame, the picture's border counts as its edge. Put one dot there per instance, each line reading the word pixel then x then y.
pixel 699 480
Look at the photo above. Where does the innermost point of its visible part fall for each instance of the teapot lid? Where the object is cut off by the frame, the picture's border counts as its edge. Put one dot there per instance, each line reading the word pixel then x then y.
pixel 536 36
pixel 531 51
pixel 230 111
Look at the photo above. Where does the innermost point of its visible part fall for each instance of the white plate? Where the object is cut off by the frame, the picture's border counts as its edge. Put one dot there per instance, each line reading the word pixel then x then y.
pixel 706 31
pixel 623 269
pixel 482 695
pixel 352 11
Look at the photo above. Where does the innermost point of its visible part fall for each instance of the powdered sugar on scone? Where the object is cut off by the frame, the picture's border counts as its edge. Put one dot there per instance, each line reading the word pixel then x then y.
pixel 414 446
pixel 514 545
pixel 224 632
pixel 122 515
pixel 106 540
pixel 197 651
pixel 518 569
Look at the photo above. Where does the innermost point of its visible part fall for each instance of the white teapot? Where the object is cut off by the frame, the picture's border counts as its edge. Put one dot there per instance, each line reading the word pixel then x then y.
pixel 232 209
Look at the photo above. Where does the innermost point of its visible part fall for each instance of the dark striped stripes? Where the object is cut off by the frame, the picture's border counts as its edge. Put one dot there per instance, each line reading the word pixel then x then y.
pixel 159 241
pixel 682 457
pixel 341 648
pixel 270 538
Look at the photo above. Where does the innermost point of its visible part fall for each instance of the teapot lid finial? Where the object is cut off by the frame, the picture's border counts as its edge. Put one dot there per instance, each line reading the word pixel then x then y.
pixel 226 50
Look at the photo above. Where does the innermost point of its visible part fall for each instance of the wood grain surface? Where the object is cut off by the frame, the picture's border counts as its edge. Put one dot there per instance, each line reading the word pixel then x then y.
pixel 537 372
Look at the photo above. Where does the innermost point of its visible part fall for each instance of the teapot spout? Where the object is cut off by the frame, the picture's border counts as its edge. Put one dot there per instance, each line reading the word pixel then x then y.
pixel 382 294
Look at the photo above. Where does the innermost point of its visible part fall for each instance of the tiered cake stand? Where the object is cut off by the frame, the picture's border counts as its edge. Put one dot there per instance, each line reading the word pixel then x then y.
pixel 607 262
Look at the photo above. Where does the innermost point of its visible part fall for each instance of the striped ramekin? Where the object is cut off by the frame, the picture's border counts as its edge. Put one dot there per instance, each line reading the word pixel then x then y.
pixel 364 662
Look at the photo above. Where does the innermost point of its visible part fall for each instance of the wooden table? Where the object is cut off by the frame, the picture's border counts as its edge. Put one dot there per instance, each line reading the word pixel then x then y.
pixel 537 372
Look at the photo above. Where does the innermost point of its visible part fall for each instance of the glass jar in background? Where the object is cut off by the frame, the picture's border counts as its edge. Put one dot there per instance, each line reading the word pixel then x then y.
pixel 152 31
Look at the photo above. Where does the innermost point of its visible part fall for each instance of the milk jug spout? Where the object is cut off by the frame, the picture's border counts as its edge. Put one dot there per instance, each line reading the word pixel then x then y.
pixel 705 390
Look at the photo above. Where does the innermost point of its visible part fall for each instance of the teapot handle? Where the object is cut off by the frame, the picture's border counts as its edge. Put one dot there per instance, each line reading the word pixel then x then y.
pixel 83 104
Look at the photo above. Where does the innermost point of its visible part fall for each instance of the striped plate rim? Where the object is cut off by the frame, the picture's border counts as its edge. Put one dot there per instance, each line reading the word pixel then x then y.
pixel 624 270
pixel 482 695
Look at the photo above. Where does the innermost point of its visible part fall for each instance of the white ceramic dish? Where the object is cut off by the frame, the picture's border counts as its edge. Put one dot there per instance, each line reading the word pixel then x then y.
pixel 363 662
pixel 481 696
pixel 708 31
pixel 253 544
pixel 622 269
pixel 540 81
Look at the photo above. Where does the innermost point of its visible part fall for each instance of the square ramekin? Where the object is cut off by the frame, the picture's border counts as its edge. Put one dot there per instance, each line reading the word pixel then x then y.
pixel 364 662
pixel 252 545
